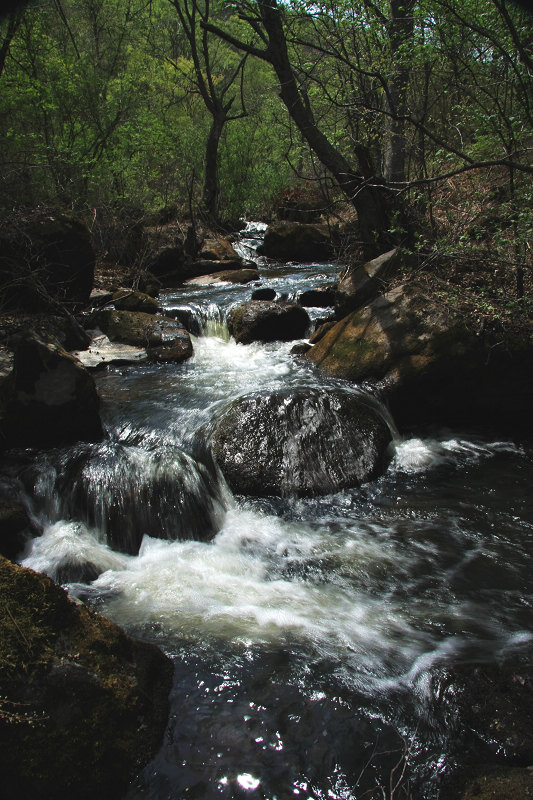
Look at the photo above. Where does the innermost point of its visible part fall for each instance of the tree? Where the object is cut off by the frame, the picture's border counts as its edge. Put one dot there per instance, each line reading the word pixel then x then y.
pixel 216 80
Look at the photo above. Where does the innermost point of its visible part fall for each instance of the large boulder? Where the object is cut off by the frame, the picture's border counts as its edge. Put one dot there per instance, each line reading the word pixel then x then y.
pixel 265 321
pixel 127 493
pixel 219 249
pixel 430 364
pixel 360 284
pixel 146 330
pixel 167 261
pixel 49 399
pixel 83 706
pixel 291 241
pixel 46 254
pixel 301 442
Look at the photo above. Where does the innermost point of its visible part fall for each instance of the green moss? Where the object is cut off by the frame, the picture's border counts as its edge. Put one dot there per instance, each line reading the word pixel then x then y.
pixel 84 706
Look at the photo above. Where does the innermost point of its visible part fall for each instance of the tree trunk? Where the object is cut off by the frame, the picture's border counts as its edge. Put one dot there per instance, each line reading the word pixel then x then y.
pixel 369 196
pixel 211 188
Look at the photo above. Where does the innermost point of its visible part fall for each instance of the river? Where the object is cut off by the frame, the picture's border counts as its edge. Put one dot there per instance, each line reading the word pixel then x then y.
pixel 309 634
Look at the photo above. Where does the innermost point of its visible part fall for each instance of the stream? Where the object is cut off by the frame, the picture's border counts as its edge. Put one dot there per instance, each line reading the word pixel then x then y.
pixel 308 634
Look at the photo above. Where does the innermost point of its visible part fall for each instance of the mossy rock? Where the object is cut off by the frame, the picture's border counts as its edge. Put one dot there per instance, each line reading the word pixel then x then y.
pixel 138 328
pixel 83 706
pixel 430 364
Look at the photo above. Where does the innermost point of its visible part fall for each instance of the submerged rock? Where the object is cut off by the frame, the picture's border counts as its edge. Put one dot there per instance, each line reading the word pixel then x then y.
pixel 127 492
pixel 429 364
pixel 300 442
pixel 49 400
pixel 264 321
pixel 83 706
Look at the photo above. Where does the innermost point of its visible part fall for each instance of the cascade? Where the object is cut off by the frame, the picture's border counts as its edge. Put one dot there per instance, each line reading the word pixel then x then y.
pixel 311 634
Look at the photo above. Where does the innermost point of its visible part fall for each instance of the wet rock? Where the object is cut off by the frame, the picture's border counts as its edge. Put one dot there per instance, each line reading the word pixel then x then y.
pixel 140 329
pixel 264 293
pixel 187 318
pixel 130 300
pixel 45 254
pixel 49 400
pixel 300 349
pixel 430 366
pixel 83 706
pixel 176 351
pixel 317 298
pixel 495 705
pixel 226 276
pixel 263 321
pixel 127 493
pixel 292 241
pixel 15 528
pixel 300 442
pixel 362 283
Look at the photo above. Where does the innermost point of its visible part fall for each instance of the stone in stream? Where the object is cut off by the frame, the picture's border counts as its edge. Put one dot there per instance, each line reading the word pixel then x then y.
pixel 127 492
pixel 130 300
pixel 430 363
pixel 292 241
pixel 83 706
pixel 164 338
pixel 302 442
pixel 264 321
pixel 49 399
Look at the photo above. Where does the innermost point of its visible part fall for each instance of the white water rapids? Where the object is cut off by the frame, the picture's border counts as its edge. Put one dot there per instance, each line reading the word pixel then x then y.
pixel 430 564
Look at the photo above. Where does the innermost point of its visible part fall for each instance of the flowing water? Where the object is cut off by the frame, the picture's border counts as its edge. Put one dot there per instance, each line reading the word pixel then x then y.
pixel 307 634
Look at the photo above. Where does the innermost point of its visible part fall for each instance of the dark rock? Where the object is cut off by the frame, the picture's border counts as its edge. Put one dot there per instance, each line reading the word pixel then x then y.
pixel 100 298
pixel 495 705
pixel 126 494
pixel 302 442
pixel 264 321
pixel 130 300
pixel 149 284
pixel 495 783
pixel 176 351
pixel 290 241
pixel 15 528
pixel 47 254
pixel 300 349
pixel 430 366
pixel 65 331
pixel 84 707
pixel 264 294
pixel 167 261
pixel 361 284
pixel 50 399
pixel 317 298
pixel 139 328
pixel 187 318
